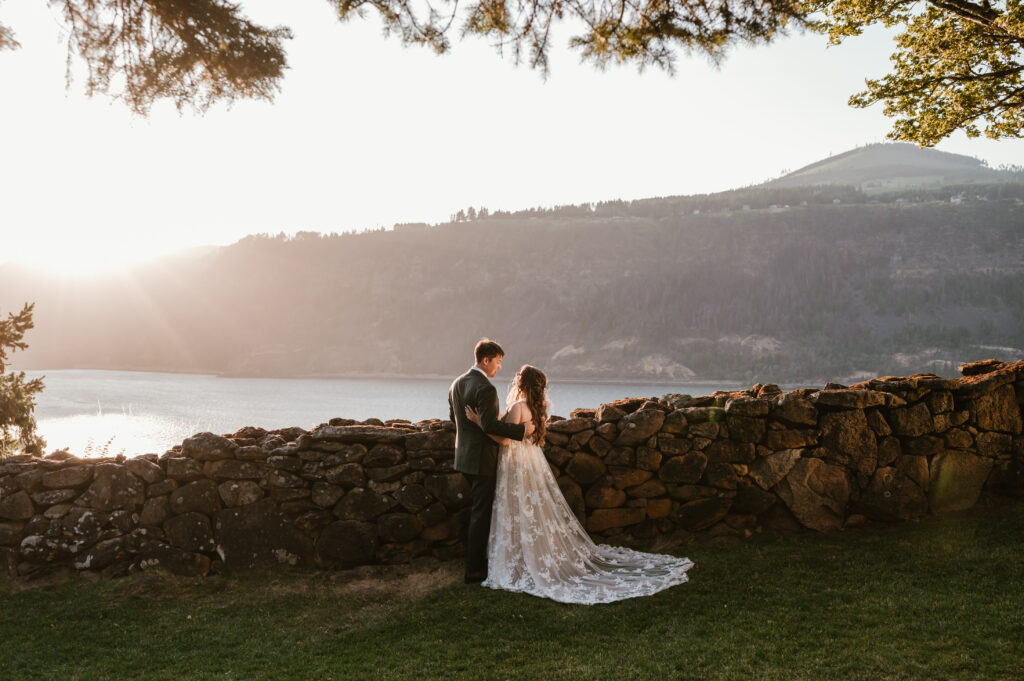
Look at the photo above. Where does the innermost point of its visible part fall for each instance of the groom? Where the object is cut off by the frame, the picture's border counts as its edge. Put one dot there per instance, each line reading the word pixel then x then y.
pixel 476 454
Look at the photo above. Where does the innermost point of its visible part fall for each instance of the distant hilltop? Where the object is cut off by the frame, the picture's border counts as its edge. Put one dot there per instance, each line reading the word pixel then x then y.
pixel 892 167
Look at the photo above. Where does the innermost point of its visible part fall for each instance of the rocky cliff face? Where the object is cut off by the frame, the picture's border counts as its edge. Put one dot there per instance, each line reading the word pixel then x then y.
pixel 638 471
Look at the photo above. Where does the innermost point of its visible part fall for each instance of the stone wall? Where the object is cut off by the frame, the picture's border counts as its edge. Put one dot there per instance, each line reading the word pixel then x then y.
pixel 636 471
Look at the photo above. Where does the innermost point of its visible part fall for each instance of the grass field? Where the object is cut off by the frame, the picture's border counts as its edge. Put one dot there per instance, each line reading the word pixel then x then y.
pixel 933 600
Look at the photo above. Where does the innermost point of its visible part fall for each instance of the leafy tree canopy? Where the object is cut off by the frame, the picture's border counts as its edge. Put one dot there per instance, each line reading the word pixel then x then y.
pixel 17 424
pixel 958 64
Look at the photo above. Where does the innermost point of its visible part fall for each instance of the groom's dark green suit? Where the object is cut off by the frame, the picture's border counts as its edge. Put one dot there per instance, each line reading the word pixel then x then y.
pixel 476 455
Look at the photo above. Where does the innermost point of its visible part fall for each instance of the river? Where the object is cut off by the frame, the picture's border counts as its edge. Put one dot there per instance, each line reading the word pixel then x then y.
pixel 95 413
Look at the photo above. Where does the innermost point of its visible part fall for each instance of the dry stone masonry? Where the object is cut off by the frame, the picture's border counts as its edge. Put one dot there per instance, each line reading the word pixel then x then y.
pixel 636 471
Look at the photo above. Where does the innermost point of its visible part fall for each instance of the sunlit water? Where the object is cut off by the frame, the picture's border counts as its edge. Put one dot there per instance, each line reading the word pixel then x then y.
pixel 96 413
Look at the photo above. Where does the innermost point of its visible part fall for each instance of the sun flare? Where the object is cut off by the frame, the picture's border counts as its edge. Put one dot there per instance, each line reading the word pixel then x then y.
pixel 84 258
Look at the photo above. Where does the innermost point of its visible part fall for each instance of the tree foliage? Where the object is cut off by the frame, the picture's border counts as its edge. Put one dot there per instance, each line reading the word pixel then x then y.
pixel 193 52
pixel 958 64
pixel 17 424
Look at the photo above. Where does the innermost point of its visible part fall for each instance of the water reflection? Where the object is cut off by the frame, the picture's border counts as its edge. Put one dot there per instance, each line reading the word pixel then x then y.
pixel 112 434
pixel 96 413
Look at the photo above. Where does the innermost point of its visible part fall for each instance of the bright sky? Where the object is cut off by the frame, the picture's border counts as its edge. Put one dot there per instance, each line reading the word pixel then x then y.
pixel 366 133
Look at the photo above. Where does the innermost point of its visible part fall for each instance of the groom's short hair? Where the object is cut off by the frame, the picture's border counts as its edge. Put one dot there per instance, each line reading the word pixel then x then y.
pixel 487 348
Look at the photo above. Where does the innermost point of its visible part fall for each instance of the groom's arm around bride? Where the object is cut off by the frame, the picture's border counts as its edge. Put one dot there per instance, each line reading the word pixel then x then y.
pixel 476 454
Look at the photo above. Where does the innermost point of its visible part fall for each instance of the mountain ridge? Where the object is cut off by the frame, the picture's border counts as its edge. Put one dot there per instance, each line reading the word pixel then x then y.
pixel 763 284
pixel 872 165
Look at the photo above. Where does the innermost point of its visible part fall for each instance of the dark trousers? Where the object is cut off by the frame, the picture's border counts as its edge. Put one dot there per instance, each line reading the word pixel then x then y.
pixel 482 487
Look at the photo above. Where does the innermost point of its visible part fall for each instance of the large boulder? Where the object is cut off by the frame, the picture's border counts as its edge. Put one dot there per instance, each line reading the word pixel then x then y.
pixel 398 527
pixel 893 495
pixel 997 410
pixel 585 469
pixel 745 428
pixel 259 536
pixel 383 456
pixel 647 490
pixel 703 513
pixel 721 476
pixel 232 469
pixel 102 554
pixel 573 494
pixel 609 413
pixel 190 531
pixel 686 469
pixel 939 402
pixel 155 511
pixel 877 423
pixel 325 494
pixel 790 438
pixel 346 544
pixel 11 533
pixel 83 525
pixel 348 475
pixel 414 497
pixel 817 493
pixel 200 496
pixel 675 423
pixel 639 426
pixel 795 410
pixel 239 492
pixel 911 421
pixel 144 469
pixel 607 518
pixel 849 399
pixel 847 440
pixel 430 439
pixel 16 506
pixel 208 447
pixel 629 477
pixel 72 476
pixel 671 446
pixel 571 426
pixel 728 451
pixel 604 496
pixel 185 470
pixel 752 500
pixel 42 549
pixel 54 496
pixel 747 407
pixel 956 480
pixel 451 489
pixel 173 559
pixel 363 505
pixel 993 445
pixel 113 486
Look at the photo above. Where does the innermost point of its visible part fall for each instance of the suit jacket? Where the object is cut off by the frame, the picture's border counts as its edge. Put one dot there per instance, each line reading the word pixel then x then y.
pixel 475 453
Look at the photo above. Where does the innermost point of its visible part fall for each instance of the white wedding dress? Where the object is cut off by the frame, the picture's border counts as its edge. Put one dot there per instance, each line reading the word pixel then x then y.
pixel 537 545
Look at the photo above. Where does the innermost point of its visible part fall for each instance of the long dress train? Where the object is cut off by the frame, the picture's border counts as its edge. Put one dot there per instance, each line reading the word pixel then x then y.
pixel 538 546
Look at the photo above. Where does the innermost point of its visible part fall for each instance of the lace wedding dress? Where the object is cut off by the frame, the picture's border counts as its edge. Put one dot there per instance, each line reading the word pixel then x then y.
pixel 537 546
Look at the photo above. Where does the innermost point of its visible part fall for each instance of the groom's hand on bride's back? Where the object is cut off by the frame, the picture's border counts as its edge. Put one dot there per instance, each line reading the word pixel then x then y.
pixel 529 429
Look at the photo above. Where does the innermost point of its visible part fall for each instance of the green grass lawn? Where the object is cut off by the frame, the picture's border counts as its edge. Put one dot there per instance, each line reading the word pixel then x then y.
pixel 934 600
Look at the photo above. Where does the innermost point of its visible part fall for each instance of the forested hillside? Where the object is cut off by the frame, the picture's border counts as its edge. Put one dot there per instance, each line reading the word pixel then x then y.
pixel 764 284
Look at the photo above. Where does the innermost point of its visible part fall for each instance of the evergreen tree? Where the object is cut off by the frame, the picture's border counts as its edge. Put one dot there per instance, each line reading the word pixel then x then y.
pixel 959 65
pixel 17 424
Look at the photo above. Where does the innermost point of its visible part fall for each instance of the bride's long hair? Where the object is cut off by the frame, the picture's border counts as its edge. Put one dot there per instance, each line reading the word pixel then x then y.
pixel 530 384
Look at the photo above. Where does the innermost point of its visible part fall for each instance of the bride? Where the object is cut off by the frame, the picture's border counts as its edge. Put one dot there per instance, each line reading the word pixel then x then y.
pixel 536 544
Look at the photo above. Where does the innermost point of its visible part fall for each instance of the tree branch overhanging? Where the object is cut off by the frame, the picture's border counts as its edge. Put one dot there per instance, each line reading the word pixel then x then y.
pixel 956 58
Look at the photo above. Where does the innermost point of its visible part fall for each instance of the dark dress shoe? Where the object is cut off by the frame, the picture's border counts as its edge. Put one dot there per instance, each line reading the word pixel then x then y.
pixel 475 579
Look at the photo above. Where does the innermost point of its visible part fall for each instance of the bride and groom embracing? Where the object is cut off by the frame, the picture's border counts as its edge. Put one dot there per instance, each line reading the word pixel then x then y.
pixel 522 534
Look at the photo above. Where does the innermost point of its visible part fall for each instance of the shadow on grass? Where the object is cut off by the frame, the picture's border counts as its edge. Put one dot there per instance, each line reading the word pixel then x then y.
pixel 937 599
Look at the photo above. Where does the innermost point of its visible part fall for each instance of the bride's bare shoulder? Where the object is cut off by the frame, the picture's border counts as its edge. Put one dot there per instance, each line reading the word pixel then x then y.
pixel 520 412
